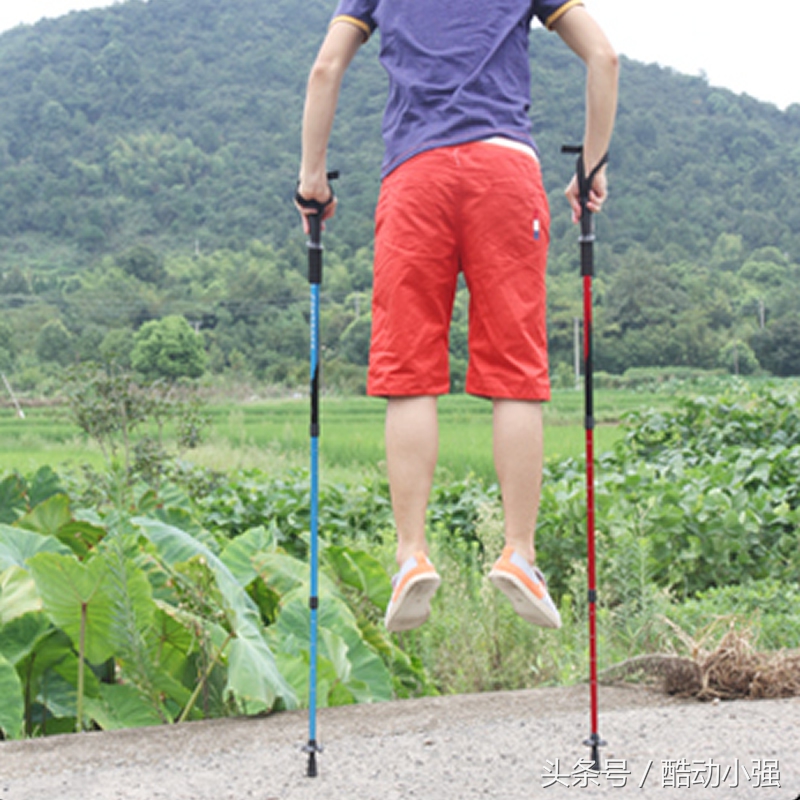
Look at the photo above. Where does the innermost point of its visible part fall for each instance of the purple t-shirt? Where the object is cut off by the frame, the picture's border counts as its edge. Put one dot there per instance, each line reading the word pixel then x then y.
pixel 458 69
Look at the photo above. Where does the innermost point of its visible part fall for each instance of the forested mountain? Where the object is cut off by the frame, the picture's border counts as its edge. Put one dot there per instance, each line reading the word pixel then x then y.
pixel 148 153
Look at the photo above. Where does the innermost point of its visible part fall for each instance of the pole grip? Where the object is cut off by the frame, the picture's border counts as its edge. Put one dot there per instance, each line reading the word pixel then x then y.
pixel 587 220
pixel 315 229
pixel 314 246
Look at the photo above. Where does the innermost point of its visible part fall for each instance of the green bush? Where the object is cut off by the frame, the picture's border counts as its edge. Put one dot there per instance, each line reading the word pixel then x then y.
pixel 183 621
pixel 768 607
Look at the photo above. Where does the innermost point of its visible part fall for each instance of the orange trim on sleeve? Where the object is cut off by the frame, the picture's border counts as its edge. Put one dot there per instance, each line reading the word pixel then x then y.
pixel 360 24
pixel 556 15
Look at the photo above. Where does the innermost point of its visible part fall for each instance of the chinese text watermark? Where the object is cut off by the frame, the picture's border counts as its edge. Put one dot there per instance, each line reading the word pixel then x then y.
pixel 679 773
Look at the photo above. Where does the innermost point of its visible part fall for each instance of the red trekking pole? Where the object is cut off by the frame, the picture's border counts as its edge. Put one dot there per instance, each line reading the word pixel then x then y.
pixel 587 272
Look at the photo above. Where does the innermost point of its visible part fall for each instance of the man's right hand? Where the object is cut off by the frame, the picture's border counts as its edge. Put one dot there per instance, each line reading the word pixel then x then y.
pixel 597 194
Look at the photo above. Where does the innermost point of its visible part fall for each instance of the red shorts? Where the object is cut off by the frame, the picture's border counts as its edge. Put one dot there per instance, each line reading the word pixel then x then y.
pixel 479 209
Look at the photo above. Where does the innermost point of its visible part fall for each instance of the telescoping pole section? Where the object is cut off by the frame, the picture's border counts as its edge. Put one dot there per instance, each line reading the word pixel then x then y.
pixel 314 245
pixel 314 279
pixel 587 273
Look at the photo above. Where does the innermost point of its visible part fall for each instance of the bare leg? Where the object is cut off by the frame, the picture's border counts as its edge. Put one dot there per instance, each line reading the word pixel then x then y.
pixel 412 446
pixel 518 455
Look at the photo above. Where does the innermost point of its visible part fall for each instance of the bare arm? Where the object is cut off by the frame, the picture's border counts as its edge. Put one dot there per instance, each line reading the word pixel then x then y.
pixel 585 37
pixel 322 95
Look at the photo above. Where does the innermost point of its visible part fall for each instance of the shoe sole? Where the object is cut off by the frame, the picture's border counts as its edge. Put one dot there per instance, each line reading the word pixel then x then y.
pixel 525 603
pixel 413 606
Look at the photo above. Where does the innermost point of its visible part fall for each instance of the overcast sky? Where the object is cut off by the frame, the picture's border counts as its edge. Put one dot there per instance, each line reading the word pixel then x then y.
pixel 731 41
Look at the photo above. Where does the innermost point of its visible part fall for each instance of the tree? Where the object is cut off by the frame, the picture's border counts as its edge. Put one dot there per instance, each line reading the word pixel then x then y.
pixel 143 263
pixel 355 340
pixel 777 347
pixel 8 350
pixel 54 343
pixel 727 252
pixel 14 283
pixel 168 348
pixel 116 348
pixel 643 295
pixel 738 358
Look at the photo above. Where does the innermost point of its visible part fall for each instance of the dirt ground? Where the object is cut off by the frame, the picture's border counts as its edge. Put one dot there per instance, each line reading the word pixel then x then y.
pixel 506 745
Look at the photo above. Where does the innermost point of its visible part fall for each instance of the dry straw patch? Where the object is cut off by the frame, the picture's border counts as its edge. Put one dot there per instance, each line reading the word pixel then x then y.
pixel 732 669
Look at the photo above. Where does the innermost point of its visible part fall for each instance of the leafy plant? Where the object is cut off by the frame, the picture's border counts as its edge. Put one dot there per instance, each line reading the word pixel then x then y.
pixel 77 600
pixel 197 605
pixel 12 708
pixel 253 676
pixel 112 406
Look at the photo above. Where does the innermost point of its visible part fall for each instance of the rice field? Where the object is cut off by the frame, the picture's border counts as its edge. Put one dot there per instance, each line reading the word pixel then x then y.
pixel 274 434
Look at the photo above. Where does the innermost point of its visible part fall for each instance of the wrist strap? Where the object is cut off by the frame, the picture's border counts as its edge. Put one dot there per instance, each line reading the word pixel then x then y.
pixel 315 205
pixel 585 181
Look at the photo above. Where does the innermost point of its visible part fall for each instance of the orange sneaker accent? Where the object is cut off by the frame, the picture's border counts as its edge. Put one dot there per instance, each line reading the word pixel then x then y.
pixel 423 566
pixel 525 587
pixel 417 582
pixel 507 565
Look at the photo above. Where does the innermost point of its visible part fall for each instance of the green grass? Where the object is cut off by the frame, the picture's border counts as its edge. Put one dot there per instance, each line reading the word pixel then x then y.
pixel 45 437
pixel 275 434
pixel 352 431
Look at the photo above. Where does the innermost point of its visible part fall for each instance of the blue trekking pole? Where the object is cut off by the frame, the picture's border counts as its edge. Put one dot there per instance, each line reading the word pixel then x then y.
pixel 314 246
pixel 587 272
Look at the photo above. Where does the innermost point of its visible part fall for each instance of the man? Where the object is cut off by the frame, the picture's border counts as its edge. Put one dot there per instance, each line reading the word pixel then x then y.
pixel 461 192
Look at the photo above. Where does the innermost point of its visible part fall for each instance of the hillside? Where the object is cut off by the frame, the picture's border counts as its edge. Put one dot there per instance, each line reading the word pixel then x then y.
pixel 170 128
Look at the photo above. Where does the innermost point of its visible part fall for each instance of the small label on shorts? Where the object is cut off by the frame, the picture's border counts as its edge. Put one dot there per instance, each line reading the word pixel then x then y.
pixel 536 227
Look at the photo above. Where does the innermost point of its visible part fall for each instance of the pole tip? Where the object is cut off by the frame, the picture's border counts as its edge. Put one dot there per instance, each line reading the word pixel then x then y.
pixel 312 748
pixel 595 743
pixel 312 765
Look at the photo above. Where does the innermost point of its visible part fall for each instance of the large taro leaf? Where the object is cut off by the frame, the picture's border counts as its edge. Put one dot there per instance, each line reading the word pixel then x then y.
pixel 253 675
pixel 294 663
pixel 80 536
pixel 68 588
pixel 361 571
pixel 244 556
pixel 286 575
pixel 48 516
pixel 169 643
pixel 240 554
pixel 12 498
pixel 357 676
pixel 121 706
pixel 43 485
pixel 53 517
pixel 52 672
pixel 58 688
pixel 20 636
pixel 18 594
pixel 18 545
pixel 360 675
pixel 12 707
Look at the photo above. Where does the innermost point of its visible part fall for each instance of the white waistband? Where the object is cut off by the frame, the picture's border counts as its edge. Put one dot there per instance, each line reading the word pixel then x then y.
pixel 513 145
